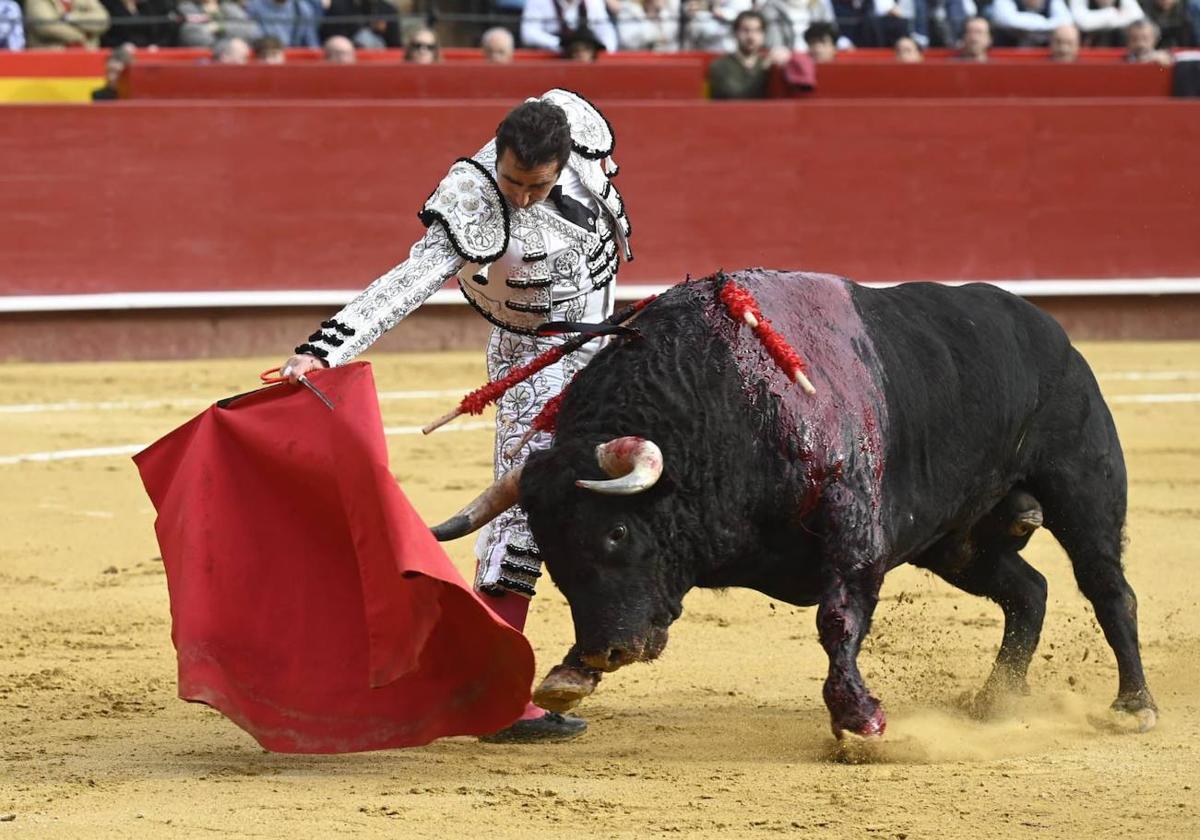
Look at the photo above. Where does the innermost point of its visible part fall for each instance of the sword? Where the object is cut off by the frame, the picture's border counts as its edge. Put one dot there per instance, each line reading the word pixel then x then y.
pixel 267 379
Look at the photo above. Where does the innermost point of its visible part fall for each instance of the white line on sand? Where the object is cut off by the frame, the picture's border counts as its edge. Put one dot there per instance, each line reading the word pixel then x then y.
pixel 134 448
pixel 189 402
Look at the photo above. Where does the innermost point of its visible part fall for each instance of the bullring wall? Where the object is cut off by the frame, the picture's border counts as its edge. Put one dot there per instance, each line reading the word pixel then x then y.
pixel 167 196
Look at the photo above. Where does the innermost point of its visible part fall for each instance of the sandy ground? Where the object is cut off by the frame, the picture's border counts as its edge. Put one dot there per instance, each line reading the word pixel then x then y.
pixel 726 735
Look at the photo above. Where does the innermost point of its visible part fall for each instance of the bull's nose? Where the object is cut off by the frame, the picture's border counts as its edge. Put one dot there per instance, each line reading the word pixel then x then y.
pixel 609 660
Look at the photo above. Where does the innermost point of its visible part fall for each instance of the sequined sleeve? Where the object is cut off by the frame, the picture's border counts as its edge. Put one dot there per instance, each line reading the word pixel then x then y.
pixel 386 301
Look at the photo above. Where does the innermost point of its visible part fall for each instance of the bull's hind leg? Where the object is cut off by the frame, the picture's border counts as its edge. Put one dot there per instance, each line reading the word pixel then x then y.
pixel 998 573
pixel 1086 515
pixel 1082 487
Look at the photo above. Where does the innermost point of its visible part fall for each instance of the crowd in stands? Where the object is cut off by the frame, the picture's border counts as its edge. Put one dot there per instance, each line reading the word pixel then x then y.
pixel 753 36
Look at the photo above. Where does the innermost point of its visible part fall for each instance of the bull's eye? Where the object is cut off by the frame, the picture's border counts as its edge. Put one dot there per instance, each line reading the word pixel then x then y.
pixel 617 534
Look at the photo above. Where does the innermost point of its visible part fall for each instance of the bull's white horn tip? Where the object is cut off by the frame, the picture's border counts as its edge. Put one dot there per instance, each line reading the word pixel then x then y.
pixel 750 320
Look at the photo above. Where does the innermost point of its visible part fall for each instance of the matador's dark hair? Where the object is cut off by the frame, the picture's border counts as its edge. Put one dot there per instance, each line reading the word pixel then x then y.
pixel 537 133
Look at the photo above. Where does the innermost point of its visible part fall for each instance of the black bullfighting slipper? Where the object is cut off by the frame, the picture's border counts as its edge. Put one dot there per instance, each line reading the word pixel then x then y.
pixel 549 727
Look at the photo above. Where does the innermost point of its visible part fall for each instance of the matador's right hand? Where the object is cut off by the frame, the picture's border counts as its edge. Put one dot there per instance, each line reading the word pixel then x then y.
pixel 297 366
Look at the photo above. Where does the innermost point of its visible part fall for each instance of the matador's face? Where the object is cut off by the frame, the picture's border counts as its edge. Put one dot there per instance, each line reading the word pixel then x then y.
pixel 523 186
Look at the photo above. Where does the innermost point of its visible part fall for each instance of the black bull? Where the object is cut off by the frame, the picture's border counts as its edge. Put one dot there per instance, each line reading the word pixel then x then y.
pixel 937 410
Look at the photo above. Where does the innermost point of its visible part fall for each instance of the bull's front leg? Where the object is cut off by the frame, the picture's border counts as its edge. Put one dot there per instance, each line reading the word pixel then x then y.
pixel 843 619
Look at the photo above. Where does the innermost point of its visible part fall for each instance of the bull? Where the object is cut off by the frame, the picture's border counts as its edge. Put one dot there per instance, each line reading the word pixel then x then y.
pixel 946 424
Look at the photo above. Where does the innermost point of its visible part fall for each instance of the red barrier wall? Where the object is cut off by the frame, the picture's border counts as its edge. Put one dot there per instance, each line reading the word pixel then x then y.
pixel 1042 78
pixel 205 196
pixel 660 79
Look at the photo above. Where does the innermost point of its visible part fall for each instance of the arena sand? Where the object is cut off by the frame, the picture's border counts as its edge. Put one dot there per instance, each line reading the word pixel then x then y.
pixel 725 736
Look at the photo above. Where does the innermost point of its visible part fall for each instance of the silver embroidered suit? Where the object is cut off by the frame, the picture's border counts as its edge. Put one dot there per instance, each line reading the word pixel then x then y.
pixel 518 268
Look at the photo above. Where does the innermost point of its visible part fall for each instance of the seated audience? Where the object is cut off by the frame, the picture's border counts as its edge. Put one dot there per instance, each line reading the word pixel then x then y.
pixel 231 51
pixel 908 52
pixel 65 23
pixel 787 20
pixel 1025 23
pixel 876 23
pixel 293 22
pixel 12 29
pixel 708 24
pixel 821 40
pixel 1142 40
pixel 743 73
pixel 1064 44
pixel 207 21
pixel 581 45
pixel 422 47
pixel 268 50
pixel 1178 22
pixel 369 24
pixel 338 49
pixel 158 30
pixel 976 41
pixel 114 66
pixel 543 23
pixel 1103 22
pixel 497 45
pixel 651 25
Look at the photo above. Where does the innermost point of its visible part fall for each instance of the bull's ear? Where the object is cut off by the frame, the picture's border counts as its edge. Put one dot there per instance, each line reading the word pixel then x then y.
pixel 486 506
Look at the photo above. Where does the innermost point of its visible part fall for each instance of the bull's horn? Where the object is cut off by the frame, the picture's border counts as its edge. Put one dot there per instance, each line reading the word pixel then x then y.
pixel 487 506
pixel 634 463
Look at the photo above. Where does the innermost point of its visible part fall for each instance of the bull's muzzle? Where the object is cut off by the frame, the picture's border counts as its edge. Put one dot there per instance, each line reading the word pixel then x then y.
pixel 641 649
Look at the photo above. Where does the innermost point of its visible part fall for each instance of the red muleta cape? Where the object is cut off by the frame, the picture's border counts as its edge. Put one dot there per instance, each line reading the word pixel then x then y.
pixel 309 602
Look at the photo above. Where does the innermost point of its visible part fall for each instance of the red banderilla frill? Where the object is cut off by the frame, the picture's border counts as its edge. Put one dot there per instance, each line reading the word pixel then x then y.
pixel 742 306
pixel 476 401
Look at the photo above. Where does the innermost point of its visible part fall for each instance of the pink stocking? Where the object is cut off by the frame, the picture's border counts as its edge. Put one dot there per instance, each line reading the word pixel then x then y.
pixel 513 609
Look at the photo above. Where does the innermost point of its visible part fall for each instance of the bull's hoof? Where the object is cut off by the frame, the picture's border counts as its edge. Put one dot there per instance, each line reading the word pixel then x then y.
pixel 853 748
pixel 549 727
pixel 864 731
pixel 996 698
pixel 1135 713
pixel 565 687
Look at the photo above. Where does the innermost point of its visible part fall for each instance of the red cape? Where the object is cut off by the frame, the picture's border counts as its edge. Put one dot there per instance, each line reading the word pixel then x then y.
pixel 310 604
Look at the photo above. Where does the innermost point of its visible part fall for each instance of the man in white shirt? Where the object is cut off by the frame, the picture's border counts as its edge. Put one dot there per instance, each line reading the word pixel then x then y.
pixel 532 230
pixel 1027 23
pixel 544 22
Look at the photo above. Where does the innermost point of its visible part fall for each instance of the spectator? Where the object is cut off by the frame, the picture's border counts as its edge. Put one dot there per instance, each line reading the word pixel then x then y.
pixel 1064 44
pixel 1025 23
pixel 207 21
pixel 709 24
pixel 369 24
pixel 581 45
pixel 876 23
pixel 941 22
pixel 821 40
pixel 293 22
pixel 743 73
pixel 157 30
pixel 907 51
pixel 65 23
pixel 339 50
pixel 1103 22
pixel 543 22
pixel 422 47
pixel 1142 38
pixel 497 45
pixel 977 40
pixel 1176 20
pixel 12 30
pixel 651 25
pixel 787 20
pixel 114 66
pixel 268 50
pixel 231 51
